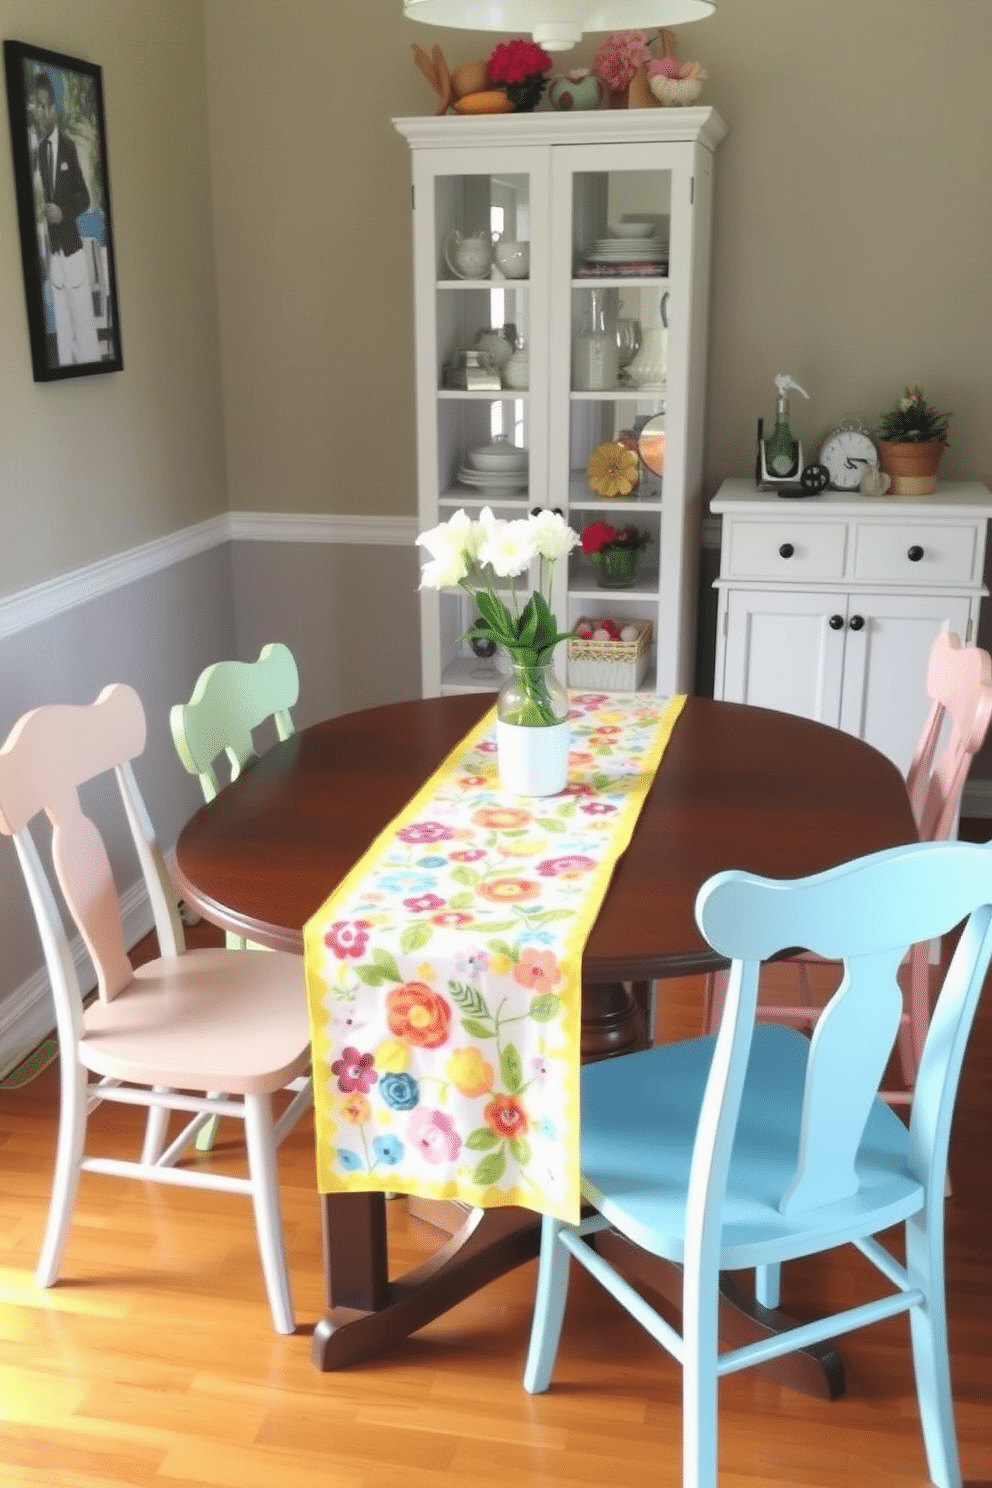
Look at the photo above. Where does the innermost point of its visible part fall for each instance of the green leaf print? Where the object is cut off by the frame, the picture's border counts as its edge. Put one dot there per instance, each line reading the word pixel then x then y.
pixel 469 999
pixel 482 1139
pixel 461 901
pixel 544 1008
pixel 520 1148
pixel 372 976
pixel 552 824
pixel 386 964
pixel 550 914
pixel 490 1168
pixel 478 1030
pixel 414 937
pixel 500 947
pixel 511 1069
pixel 464 876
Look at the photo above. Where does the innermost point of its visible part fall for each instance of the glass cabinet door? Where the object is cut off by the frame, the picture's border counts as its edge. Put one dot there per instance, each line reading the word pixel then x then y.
pixel 482 363
pixel 618 313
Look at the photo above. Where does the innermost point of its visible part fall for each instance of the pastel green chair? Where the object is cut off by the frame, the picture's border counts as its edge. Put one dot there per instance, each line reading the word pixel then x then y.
pixel 216 728
pixel 757 1145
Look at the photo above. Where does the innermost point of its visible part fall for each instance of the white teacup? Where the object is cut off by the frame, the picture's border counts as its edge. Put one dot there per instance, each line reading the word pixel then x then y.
pixel 512 259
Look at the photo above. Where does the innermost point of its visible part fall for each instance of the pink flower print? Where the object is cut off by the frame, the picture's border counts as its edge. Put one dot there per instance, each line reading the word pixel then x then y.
pixel 471 782
pixel 598 808
pixel 567 867
pixel 453 919
pixel 433 1134
pixel 347 938
pixel 538 969
pixel 423 903
pixel 488 746
pixel 354 1071
pixel 467 855
pixel 472 963
pixel 426 831
pixel 590 699
pixel 578 789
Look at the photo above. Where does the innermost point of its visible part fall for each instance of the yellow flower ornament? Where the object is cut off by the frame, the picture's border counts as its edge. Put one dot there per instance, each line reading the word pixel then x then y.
pixel 613 470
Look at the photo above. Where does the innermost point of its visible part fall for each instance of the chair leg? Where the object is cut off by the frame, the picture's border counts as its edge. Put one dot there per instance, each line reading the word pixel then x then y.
pixel 65 1182
pixel 768 1286
pixel 549 1308
pixel 156 1127
pixel 928 1331
pixel 700 1311
pixel 263 1167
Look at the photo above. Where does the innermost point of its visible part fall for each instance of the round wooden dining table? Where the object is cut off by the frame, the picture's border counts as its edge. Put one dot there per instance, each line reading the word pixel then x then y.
pixel 737 787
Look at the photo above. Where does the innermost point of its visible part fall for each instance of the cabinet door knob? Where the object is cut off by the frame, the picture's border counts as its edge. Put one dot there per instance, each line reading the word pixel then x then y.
pixel 836 622
pixel 557 511
pixel 786 550
pixel 535 511
pixel 857 622
pixel 915 553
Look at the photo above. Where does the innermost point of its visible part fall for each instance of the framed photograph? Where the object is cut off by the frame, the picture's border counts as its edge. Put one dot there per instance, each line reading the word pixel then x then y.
pixel 59 145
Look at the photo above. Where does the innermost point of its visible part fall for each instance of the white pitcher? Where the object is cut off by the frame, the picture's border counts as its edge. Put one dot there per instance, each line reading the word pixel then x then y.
pixel 468 258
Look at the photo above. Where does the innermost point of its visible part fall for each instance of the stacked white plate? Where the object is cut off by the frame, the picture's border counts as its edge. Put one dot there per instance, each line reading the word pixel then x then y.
pixel 627 250
pixel 496 482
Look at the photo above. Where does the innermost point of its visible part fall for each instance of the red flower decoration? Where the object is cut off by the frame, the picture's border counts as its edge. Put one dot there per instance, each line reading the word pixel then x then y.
pixel 355 1071
pixel 347 938
pixel 515 61
pixel 596 536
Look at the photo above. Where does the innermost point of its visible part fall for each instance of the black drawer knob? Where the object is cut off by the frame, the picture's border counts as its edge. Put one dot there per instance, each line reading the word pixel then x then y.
pixel 915 553
pixel 535 511
pixel 857 622
pixel 786 550
pixel 836 622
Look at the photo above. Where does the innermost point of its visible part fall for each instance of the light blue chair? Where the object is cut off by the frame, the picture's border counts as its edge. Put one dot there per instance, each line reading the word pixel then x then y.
pixel 756 1145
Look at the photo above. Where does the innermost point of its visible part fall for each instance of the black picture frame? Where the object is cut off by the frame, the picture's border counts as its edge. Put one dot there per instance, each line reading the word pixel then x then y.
pixel 67 243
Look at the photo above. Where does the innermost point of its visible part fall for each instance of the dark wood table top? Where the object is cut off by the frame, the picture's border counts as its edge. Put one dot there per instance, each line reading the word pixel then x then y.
pixel 738 787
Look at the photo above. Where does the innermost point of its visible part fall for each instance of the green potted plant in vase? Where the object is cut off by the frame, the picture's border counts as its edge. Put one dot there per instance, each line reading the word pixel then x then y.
pixel 615 551
pixel 532 731
pixel 912 437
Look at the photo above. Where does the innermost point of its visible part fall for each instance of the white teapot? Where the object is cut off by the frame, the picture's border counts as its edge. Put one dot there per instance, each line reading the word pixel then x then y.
pixel 468 258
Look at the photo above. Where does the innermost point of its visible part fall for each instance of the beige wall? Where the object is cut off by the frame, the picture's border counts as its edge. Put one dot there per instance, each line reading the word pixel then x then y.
pixel 93 466
pixel 853 213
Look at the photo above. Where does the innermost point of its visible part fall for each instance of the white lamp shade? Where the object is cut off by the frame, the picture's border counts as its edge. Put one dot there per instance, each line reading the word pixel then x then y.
pixel 557 25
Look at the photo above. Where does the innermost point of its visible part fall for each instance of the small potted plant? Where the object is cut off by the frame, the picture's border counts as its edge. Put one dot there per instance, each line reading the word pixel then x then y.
pixel 912 437
pixel 615 551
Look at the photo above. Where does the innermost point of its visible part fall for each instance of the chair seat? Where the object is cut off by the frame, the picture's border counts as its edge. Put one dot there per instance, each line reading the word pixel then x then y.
pixel 208 1020
pixel 640 1116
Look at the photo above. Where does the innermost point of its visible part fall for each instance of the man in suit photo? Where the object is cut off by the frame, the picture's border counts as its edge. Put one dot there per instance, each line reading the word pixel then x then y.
pixel 66 196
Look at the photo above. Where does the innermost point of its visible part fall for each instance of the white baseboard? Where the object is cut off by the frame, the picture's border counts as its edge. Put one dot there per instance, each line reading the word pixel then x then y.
pixel 27 1016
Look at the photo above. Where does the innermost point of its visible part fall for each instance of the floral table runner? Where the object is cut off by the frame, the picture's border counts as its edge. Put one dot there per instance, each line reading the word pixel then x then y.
pixel 444 974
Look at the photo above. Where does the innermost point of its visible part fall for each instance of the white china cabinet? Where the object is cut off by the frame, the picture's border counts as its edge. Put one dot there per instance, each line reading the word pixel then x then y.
pixel 828 606
pixel 615 207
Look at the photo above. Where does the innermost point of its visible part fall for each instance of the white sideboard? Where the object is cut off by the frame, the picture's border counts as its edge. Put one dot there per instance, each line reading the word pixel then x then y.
pixel 828 605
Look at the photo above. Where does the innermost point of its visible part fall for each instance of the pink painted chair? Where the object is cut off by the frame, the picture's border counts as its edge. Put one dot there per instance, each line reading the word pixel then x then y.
pixel 163 1035
pixel 959 684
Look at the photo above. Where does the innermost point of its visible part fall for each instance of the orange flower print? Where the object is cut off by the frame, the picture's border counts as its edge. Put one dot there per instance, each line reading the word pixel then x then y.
pixel 508 890
pixel 537 969
pixel 506 1116
pixel 469 1072
pixel 501 817
pixel 356 1109
pixel 418 1015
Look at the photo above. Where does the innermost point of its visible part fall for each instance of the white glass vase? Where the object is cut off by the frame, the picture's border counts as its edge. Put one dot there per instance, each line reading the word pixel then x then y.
pixel 532 732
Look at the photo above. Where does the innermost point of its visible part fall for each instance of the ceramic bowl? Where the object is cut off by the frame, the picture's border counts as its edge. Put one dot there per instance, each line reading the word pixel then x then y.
pixel 500 455
pixel 632 229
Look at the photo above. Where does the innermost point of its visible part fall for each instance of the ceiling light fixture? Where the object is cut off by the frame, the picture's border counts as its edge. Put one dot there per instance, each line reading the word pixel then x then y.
pixel 557 25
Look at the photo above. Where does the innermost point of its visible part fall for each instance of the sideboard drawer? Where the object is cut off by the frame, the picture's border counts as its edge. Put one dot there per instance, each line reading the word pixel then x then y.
pixel 917 553
pixel 784 549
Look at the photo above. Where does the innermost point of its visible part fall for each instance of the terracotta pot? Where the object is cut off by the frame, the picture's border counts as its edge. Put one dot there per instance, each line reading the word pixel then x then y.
pixel 912 467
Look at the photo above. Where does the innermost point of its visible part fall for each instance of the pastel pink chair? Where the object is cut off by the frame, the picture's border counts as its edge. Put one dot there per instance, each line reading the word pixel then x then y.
pixel 959 684
pixel 164 1035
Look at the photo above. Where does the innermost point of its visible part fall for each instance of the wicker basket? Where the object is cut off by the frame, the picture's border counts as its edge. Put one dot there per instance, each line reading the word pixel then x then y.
pixel 611 666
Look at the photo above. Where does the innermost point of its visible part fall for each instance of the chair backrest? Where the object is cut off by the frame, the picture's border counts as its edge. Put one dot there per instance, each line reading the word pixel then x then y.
pixel 48 755
pixel 230 700
pixel 865 914
pixel 959 683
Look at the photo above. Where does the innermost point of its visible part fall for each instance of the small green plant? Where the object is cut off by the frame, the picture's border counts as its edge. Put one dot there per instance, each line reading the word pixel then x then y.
pixel 914 420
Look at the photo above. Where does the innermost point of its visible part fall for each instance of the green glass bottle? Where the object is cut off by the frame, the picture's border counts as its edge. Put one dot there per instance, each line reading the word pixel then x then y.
pixel 782 457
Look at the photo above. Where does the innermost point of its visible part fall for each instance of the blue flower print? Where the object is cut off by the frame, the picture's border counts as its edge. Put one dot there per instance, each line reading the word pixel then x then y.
pixel 350 1161
pixel 431 862
pixel 406 881
pixel 388 1150
pixel 400 1091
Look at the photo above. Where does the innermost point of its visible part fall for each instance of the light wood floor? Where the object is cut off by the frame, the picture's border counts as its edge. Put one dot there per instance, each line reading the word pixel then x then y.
pixel 153 1361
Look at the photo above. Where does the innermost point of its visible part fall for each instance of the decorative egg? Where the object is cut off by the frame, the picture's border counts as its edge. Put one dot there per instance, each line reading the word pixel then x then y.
pixel 629 633
pixel 469 77
pixel 577 90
